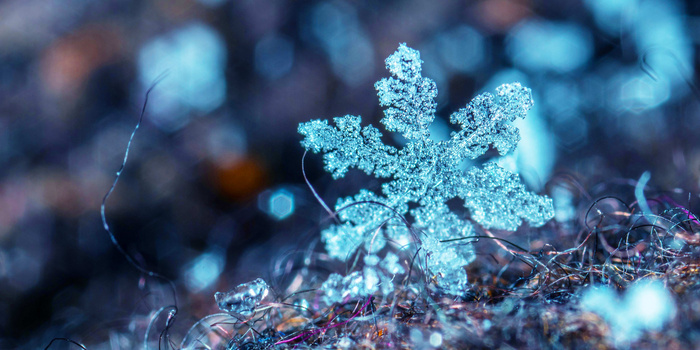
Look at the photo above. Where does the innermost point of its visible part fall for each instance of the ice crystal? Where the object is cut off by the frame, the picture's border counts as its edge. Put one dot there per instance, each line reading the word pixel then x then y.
pixel 337 288
pixel 244 298
pixel 375 276
pixel 426 173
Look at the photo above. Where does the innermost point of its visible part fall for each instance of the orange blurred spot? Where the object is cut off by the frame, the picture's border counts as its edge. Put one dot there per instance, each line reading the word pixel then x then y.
pixel 240 180
pixel 61 193
pixel 291 324
pixel 501 15
pixel 68 62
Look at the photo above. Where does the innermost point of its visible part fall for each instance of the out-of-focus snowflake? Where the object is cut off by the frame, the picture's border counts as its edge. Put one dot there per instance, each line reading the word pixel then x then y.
pixel 376 276
pixel 424 172
pixel 625 315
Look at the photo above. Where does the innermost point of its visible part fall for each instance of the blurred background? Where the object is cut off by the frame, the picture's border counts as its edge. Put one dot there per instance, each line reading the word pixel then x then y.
pixel 213 192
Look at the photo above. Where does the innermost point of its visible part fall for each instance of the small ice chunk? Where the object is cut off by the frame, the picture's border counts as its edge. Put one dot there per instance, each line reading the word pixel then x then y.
pixel 387 285
pixel 345 343
pixel 244 298
pixel 371 278
pixel 436 339
pixel 332 288
pixel 355 285
pixel 371 260
pixel 391 264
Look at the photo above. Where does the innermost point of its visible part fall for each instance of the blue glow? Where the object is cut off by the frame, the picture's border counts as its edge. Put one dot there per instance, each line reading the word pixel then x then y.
pixel 226 139
pixel 204 271
pixel 564 210
pixel 194 59
pixel 274 56
pixel 639 93
pixel 22 268
pixel 611 15
pixel 211 3
pixel 279 204
pixel 439 130
pixel 436 70
pixel 549 46
pixel 561 96
pixel 571 131
pixel 335 26
pixel 624 315
pixel 535 154
pixel 660 35
pixel 461 49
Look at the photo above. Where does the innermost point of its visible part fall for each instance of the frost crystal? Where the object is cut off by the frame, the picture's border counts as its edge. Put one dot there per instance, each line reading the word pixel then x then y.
pixel 376 276
pixel 426 172
pixel 338 288
pixel 244 298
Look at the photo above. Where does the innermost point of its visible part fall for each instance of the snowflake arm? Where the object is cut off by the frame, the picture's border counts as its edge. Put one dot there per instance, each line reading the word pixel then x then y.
pixel 410 97
pixel 366 207
pixel 487 120
pixel 348 145
pixel 343 240
pixel 497 199
pixel 364 216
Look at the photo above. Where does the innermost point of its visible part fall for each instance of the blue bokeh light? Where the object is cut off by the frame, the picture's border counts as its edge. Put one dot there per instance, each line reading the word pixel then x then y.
pixel 549 46
pixel 662 41
pixel 571 131
pixel 204 270
pixel 335 27
pixel 191 61
pixel 611 15
pixel 561 96
pixel 274 56
pixel 659 33
pixel 535 155
pixel 279 203
pixel 624 315
pixel 224 139
pixel 640 92
pixel 461 49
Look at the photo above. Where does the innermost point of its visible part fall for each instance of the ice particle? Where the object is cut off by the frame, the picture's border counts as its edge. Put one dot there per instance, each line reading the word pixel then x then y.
pixel 244 298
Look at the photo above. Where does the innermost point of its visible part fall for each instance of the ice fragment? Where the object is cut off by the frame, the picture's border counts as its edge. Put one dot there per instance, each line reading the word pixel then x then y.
pixel 244 298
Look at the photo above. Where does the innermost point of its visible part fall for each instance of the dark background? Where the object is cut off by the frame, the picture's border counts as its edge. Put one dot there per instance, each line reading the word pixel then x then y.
pixel 203 199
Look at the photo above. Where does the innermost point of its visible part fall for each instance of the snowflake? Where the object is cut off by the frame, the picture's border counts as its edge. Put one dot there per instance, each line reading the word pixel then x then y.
pixel 425 173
